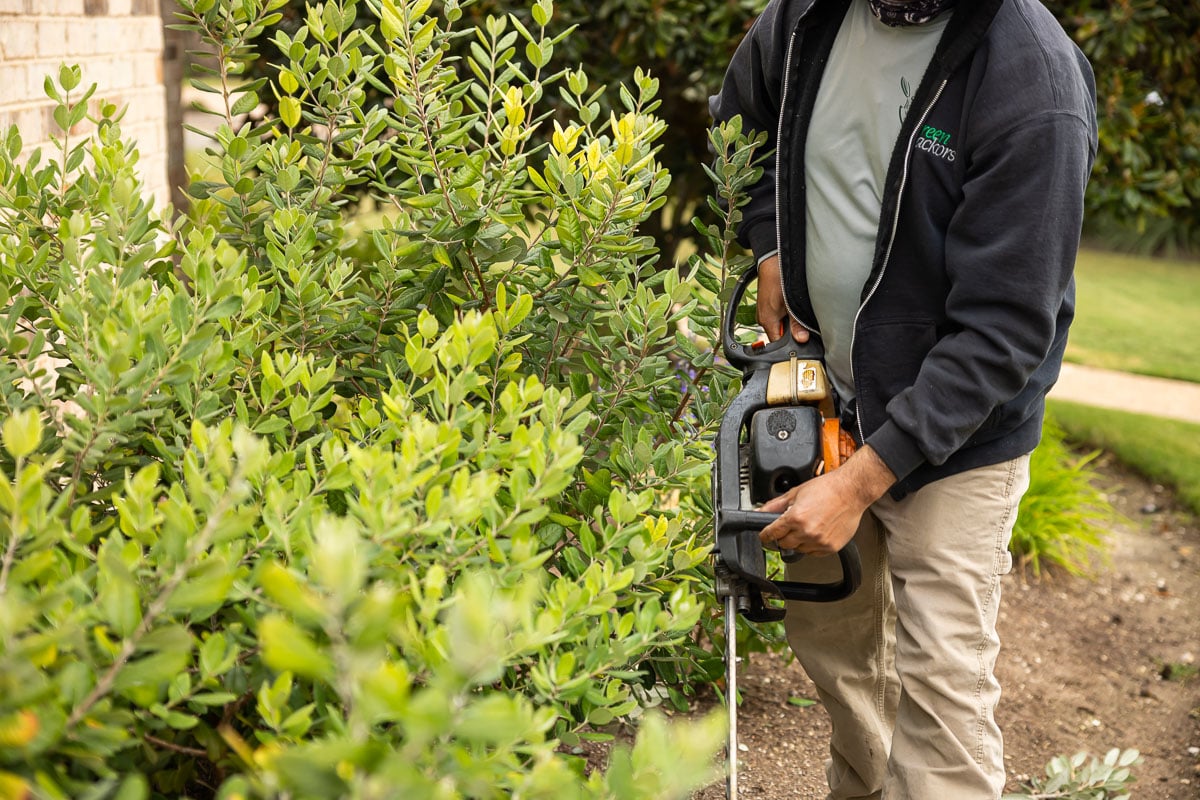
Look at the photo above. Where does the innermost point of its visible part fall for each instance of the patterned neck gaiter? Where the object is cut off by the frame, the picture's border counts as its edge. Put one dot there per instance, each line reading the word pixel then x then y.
pixel 914 12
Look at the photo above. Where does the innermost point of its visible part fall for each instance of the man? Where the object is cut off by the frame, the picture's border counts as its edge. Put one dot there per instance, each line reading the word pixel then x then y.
pixel 921 216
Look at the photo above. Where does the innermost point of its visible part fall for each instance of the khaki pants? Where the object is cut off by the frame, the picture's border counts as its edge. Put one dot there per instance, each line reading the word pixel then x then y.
pixel 904 666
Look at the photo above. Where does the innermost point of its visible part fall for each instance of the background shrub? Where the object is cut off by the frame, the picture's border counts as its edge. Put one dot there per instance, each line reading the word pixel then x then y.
pixel 1144 192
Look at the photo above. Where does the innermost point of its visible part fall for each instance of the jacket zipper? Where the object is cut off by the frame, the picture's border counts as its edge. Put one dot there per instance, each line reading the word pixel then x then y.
pixel 787 71
pixel 891 240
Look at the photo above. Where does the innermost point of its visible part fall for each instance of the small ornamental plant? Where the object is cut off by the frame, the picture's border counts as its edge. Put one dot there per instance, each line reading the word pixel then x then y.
pixel 1084 777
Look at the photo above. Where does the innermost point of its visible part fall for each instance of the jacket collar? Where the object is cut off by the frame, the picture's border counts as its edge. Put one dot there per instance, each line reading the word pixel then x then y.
pixel 968 25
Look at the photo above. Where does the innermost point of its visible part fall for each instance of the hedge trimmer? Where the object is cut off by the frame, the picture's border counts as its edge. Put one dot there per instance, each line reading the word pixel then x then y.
pixel 779 431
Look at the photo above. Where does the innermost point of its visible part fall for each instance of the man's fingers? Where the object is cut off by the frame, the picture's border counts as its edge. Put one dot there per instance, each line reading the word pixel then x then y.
pixel 781 503
pixel 776 505
pixel 772 311
pixel 773 326
pixel 772 533
pixel 786 532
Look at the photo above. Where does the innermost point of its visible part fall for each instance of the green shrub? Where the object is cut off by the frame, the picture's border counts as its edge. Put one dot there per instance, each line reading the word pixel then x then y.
pixel 1063 516
pixel 289 514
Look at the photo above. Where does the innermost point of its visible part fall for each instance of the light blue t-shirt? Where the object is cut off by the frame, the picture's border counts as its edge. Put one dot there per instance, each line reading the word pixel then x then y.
pixel 865 92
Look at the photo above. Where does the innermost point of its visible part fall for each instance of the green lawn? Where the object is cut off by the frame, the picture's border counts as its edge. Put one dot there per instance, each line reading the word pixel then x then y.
pixel 1163 450
pixel 1137 315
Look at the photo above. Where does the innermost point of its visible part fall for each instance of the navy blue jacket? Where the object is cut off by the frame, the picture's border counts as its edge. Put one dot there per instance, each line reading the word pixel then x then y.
pixel 963 320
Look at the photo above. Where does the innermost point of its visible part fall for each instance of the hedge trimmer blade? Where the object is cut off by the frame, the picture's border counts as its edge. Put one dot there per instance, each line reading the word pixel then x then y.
pixel 731 749
pixel 779 431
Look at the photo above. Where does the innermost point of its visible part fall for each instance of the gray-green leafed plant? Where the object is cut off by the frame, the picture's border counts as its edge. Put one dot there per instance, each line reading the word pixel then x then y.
pixel 294 505
pixel 1081 777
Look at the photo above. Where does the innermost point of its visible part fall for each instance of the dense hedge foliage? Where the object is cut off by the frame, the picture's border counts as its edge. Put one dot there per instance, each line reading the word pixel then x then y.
pixel 410 507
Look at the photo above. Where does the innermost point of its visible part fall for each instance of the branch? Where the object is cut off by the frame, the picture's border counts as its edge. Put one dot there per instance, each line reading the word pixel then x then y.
pixel 157 608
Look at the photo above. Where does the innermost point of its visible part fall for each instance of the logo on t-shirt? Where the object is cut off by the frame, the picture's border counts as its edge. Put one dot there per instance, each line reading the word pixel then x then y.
pixel 906 89
pixel 935 142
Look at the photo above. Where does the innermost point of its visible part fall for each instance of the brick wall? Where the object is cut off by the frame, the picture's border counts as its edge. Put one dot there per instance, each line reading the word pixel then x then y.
pixel 118 44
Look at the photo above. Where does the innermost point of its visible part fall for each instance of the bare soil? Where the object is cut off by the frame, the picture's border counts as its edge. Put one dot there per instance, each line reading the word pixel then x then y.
pixel 1086 664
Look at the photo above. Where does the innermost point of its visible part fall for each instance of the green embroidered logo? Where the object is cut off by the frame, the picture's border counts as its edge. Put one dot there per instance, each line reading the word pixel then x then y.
pixel 935 141
pixel 939 136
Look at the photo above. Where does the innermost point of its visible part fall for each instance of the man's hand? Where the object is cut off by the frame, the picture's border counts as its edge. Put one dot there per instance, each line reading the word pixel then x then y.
pixel 820 516
pixel 772 311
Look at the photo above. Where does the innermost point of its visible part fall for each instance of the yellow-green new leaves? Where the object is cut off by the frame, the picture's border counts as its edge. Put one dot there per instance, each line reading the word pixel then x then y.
pixel 641 773
pixel 119 597
pixel 480 624
pixel 207 587
pixel 22 433
pixel 289 111
pixel 339 558
pixel 397 15
pixel 286 647
pixel 514 106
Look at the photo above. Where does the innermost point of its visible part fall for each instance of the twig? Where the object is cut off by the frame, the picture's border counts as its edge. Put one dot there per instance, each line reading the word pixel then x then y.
pixel 177 748
pixel 686 400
